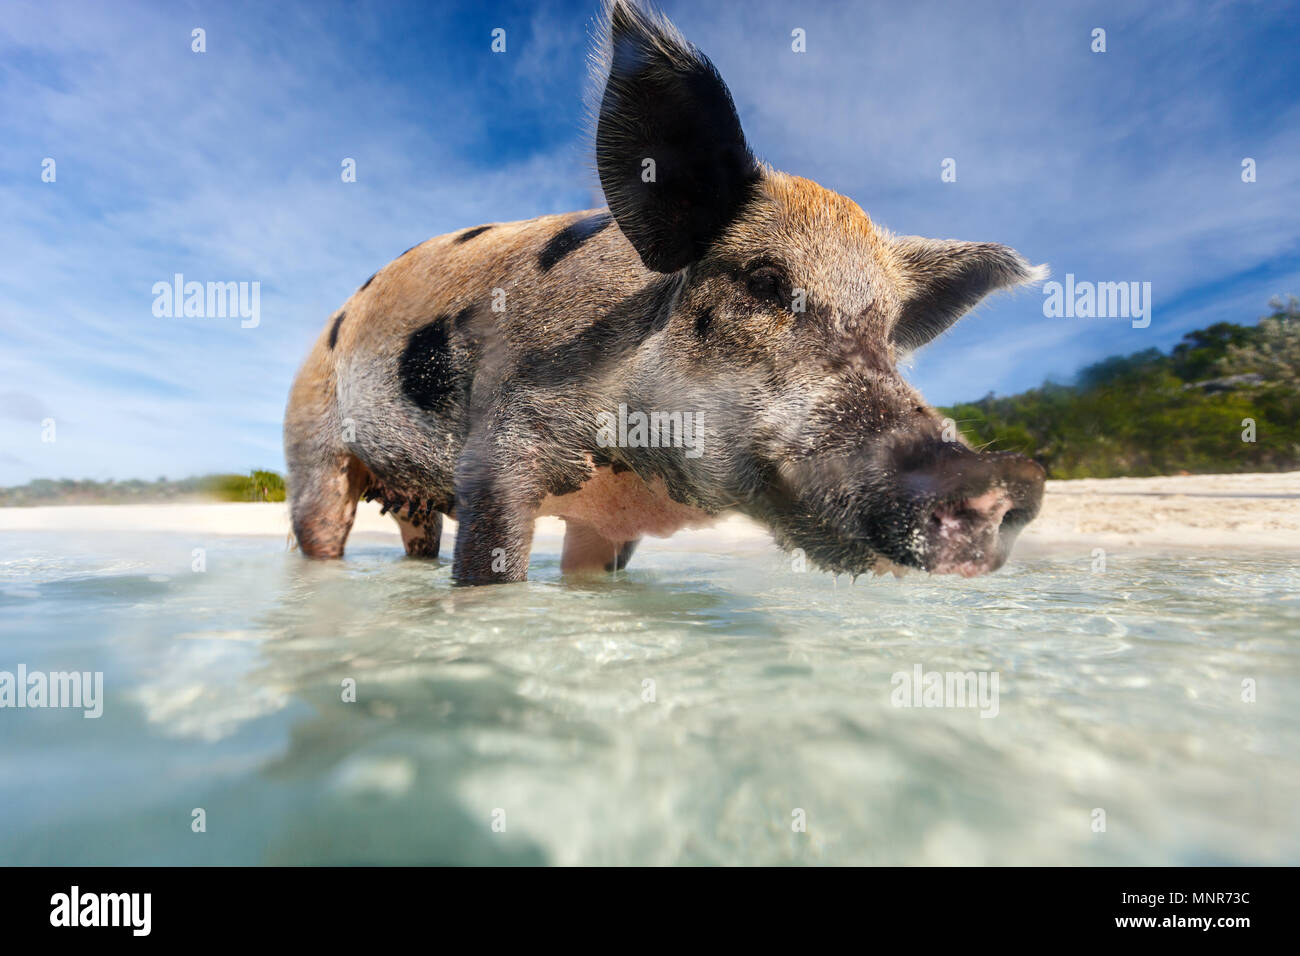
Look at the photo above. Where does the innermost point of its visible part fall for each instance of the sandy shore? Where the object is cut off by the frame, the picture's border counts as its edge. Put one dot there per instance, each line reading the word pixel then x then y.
pixel 1212 512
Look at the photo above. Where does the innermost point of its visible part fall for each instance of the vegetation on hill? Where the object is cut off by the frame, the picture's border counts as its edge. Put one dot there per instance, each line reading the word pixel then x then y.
pixel 255 486
pixel 1152 413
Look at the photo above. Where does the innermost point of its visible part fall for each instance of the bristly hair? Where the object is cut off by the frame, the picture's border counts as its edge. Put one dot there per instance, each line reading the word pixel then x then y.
pixel 674 46
pixel 600 57
pixel 707 156
pixel 945 279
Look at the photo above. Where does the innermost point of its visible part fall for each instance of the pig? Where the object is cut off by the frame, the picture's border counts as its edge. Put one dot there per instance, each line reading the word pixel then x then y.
pixel 505 371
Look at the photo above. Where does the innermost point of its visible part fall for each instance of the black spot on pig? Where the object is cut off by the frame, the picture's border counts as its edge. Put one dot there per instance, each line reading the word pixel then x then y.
pixel 428 368
pixel 365 285
pixel 472 328
pixel 469 234
pixel 463 318
pixel 334 329
pixel 564 485
pixel 703 322
pixel 570 238
pixel 620 330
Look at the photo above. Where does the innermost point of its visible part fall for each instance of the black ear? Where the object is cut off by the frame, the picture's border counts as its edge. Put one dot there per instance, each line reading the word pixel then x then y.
pixel 665 102
pixel 944 279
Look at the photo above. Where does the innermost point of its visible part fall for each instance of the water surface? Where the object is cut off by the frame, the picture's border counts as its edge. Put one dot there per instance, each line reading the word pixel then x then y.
pixel 690 710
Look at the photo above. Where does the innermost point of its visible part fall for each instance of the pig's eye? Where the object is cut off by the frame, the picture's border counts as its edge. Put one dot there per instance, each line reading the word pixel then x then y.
pixel 767 284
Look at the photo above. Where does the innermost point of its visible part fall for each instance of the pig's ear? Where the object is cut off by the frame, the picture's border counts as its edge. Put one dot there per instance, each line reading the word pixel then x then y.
pixel 672 157
pixel 943 279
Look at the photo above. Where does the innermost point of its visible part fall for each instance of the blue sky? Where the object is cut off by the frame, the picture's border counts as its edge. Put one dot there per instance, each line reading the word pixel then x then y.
pixel 225 166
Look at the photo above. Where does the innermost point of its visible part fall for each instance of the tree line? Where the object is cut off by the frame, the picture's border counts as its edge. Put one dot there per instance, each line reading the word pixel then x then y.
pixel 1225 399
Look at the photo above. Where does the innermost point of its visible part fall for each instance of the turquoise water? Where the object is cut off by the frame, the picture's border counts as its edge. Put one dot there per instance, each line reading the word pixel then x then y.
pixel 529 705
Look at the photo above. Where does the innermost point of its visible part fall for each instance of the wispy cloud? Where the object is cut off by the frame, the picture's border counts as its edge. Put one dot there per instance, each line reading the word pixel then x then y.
pixel 222 166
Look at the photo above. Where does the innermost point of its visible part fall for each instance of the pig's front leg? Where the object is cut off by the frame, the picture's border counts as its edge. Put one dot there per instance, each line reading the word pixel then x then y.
pixel 496 505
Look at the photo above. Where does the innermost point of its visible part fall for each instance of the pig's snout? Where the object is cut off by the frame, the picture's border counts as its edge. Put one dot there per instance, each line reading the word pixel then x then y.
pixel 961 510
pixel 973 536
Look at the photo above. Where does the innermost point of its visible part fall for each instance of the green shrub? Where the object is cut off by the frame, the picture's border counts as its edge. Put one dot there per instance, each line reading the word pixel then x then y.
pixel 255 486
pixel 1154 414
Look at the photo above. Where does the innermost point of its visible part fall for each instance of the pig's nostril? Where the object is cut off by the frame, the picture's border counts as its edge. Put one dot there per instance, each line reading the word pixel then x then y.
pixel 1015 519
pixel 945 514
pixel 967 519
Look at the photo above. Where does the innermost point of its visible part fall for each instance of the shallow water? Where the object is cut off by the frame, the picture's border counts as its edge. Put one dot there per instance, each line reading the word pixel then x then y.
pixel 769 702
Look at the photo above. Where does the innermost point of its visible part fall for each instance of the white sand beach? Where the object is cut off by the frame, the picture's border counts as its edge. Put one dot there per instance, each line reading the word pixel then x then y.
pixel 1210 512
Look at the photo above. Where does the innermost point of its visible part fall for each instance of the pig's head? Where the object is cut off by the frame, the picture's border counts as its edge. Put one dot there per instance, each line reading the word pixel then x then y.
pixel 791 311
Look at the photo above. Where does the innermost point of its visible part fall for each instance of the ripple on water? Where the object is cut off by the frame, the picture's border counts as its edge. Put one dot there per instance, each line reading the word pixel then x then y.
pixel 683 711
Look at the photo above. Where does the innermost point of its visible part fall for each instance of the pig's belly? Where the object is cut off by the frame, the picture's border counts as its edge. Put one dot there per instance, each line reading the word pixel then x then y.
pixel 623 507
